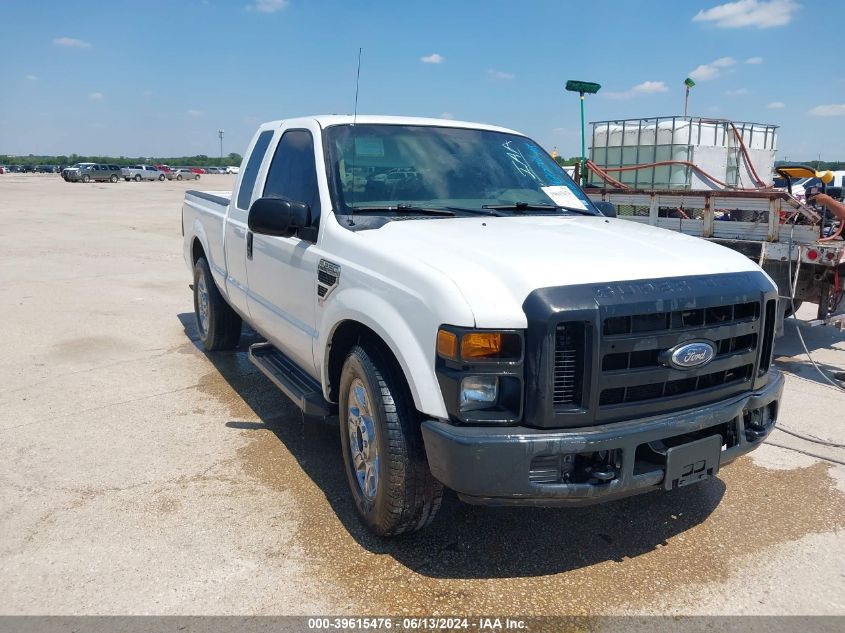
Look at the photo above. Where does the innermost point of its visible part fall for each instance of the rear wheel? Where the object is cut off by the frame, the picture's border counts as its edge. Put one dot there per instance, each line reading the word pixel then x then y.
pixel 383 453
pixel 161 177
pixel 113 178
pixel 219 326
pixel 179 177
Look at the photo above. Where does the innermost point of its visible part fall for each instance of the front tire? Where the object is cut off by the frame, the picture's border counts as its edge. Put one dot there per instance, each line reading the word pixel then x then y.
pixel 218 325
pixel 86 178
pixel 161 177
pixel 137 177
pixel 179 177
pixel 383 453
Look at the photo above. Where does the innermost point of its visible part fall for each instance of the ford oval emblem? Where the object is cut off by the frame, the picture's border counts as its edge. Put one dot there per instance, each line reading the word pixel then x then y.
pixel 692 355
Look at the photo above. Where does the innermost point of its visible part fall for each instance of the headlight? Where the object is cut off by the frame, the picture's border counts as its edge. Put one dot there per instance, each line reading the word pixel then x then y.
pixel 479 392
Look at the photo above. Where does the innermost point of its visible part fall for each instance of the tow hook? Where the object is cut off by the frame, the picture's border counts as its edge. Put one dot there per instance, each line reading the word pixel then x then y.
pixel 754 433
pixel 603 472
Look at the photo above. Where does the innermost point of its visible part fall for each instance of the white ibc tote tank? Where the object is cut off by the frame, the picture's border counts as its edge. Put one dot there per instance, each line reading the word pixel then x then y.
pixel 710 144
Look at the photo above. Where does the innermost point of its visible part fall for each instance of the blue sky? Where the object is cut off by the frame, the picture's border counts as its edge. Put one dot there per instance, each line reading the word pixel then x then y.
pixel 155 77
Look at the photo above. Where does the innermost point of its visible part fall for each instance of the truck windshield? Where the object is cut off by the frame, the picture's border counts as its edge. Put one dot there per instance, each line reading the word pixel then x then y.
pixel 380 168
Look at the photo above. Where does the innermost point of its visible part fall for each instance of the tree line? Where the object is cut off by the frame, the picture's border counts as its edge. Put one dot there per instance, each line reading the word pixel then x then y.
pixel 200 160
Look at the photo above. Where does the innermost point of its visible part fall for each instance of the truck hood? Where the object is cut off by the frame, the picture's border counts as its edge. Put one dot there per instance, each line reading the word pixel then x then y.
pixel 497 261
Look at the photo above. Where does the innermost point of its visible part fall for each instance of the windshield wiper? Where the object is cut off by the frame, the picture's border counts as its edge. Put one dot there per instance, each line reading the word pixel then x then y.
pixel 407 209
pixel 532 206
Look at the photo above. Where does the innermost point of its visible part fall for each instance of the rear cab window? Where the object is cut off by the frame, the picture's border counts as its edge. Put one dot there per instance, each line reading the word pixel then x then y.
pixel 251 172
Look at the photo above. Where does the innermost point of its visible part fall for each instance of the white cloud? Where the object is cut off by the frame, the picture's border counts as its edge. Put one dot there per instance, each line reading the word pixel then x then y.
pixel 71 42
pixel 705 72
pixel 434 58
pixel 645 88
pixel 776 105
pixel 737 92
pixel 96 96
pixel 713 70
pixel 499 74
pixel 447 115
pixel 836 109
pixel 32 77
pixel 649 87
pixel 194 114
pixel 761 14
pixel 268 6
pixel 754 60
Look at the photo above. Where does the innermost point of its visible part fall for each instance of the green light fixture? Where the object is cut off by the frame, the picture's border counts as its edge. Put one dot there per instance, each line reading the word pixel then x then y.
pixel 582 88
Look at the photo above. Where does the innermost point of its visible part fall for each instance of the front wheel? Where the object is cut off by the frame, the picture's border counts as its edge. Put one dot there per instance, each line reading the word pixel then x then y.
pixel 113 178
pixel 179 177
pixel 137 177
pixel 161 177
pixel 86 178
pixel 219 326
pixel 383 453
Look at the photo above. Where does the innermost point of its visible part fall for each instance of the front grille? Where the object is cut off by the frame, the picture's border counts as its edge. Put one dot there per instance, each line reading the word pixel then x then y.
pixel 650 357
pixel 631 368
pixel 569 364
pixel 600 353
pixel 669 388
pixel 682 319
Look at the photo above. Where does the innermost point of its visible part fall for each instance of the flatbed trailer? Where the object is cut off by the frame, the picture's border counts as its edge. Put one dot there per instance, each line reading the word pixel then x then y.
pixel 770 227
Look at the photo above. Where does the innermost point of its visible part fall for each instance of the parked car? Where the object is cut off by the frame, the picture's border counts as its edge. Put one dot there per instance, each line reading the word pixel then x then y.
pixel 72 172
pixel 197 170
pixel 233 169
pixel 450 322
pixel 164 168
pixel 95 172
pixel 181 173
pixel 214 170
pixel 142 172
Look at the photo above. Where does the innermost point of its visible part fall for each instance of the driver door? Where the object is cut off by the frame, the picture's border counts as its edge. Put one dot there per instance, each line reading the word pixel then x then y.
pixel 282 271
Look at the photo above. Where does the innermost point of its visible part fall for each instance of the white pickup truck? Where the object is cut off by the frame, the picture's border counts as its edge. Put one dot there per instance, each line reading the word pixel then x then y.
pixel 141 172
pixel 475 321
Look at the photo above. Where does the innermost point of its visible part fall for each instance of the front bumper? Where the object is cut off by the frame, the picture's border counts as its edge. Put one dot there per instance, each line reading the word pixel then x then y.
pixel 493 465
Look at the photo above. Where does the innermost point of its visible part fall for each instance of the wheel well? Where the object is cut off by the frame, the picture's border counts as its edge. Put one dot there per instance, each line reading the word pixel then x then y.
pixel 346 336
pixel 197 251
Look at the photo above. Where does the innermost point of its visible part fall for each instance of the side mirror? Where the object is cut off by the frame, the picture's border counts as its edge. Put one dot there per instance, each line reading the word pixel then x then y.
pixel 278 216
pixel 607 208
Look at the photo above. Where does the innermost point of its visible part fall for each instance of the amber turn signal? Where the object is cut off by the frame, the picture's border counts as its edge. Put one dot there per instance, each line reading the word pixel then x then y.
pixel 447 344
pixel 481 344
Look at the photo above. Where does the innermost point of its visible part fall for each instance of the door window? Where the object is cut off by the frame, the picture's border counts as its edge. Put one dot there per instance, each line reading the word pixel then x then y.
pixel 293 172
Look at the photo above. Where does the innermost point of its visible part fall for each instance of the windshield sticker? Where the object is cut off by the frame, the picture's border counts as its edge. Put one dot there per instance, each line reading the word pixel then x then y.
pixel 519 162
pixel 563 196
pixel 369 146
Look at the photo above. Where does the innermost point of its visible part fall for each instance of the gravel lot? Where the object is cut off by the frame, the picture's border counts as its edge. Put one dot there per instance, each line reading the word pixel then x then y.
pixel 139 475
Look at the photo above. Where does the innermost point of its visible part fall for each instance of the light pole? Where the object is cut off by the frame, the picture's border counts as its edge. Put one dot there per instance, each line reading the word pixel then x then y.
pixel 582 88
pixel 689 83
pixel 220 134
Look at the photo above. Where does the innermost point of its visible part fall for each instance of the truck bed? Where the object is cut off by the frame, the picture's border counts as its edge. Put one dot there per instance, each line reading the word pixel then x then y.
pixel 220 197
pixel 203 213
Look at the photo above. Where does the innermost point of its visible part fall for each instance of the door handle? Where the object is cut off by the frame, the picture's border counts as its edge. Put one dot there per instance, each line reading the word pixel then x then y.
pixel 249 244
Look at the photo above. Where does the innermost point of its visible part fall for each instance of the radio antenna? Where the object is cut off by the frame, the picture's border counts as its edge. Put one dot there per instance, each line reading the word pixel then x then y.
pixel 354 120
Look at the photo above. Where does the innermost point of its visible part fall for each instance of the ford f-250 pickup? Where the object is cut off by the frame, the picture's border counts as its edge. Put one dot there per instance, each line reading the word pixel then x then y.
pixel 475 321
